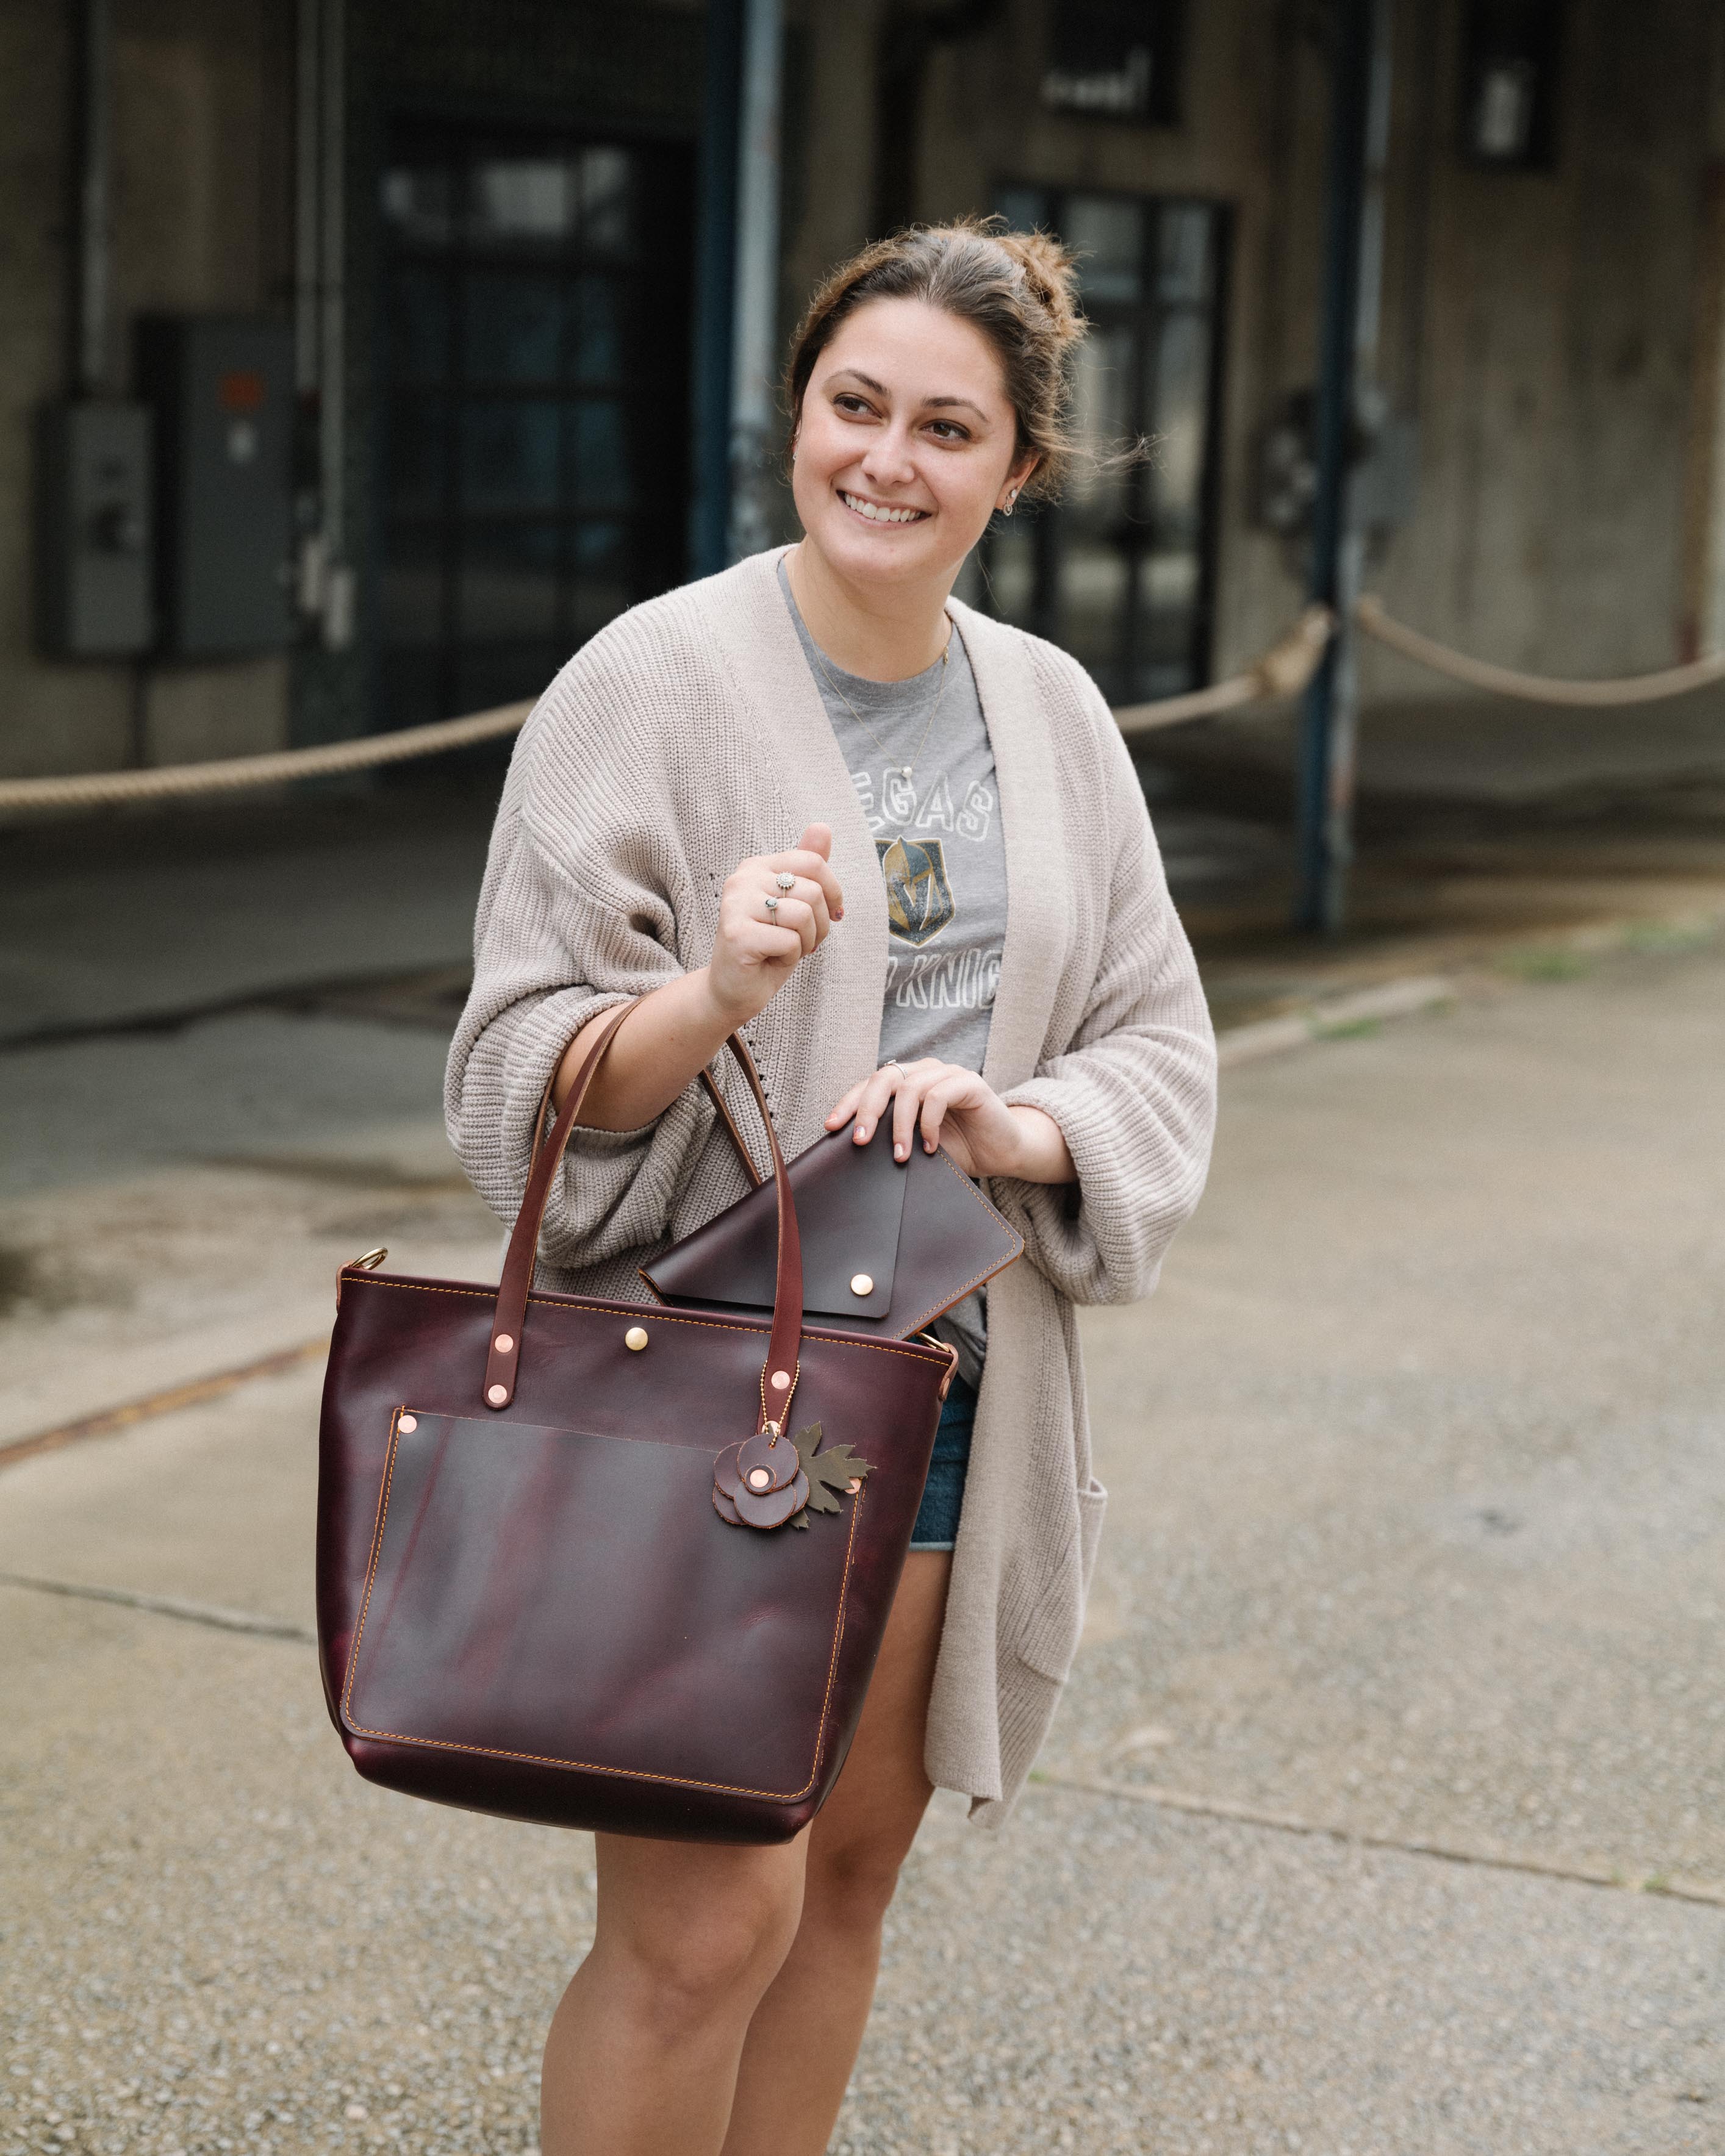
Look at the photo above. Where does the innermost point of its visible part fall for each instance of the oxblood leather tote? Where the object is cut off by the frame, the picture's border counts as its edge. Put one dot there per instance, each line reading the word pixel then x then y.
pixel 597 1564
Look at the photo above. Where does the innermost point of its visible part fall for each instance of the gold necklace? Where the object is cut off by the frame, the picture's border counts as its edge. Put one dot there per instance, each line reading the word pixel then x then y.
pixel 906 769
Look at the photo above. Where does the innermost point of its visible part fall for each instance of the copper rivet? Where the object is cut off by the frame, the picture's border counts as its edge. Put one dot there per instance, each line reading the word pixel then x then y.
pixel 497 1395
pixel 760 1479
pixel 503 1343
pixel 855 1484
pixel 635 1337
pixel 781 1379
pixel 862 1284
pixel 408 1422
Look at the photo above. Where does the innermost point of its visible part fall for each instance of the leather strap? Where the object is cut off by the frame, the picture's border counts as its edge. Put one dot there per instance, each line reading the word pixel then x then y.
pixel 778 1375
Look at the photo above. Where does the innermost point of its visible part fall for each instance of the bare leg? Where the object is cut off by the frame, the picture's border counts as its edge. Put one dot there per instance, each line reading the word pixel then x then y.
pixel 806 2031
pixel 642 2055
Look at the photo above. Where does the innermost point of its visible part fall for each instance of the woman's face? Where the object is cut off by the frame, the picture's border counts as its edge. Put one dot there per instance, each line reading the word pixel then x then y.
pixel 906 445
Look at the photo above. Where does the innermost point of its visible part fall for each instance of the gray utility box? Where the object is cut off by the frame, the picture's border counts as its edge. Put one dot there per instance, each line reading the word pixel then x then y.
pixel 222 389
pixel 94 519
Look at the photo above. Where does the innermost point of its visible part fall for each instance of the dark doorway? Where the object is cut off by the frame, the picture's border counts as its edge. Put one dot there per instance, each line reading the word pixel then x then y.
pixel 533 418
pixel 1122 571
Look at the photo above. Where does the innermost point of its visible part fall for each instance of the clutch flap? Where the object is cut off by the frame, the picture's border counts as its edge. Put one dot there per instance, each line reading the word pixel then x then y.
pixel 850 1203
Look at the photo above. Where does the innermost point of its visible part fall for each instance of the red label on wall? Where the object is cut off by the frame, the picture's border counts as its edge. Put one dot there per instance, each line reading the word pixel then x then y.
pixel 240 390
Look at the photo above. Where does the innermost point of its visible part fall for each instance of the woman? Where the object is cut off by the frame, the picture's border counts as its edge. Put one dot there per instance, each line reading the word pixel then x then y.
pixel 972 935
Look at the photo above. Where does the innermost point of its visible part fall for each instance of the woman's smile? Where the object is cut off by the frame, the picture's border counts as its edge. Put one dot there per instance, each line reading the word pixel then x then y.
pixel 882 512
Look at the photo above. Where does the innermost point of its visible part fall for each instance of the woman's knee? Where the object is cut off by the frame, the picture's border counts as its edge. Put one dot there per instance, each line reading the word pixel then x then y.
pixel 852 1879
pixel 705 1957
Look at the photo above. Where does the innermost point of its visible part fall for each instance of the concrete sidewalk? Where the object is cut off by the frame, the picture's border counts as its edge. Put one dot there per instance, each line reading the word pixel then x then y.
pixel 1416 1537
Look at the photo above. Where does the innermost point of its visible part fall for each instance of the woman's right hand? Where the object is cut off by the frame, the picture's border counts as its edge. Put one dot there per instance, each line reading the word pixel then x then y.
pixel 757 946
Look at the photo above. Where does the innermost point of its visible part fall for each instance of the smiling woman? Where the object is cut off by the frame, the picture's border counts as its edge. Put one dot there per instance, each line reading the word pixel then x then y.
pixel 949 919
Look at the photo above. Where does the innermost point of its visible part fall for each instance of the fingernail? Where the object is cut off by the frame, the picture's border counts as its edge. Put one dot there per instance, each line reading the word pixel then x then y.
pixel 928 1145
pixel 862 1132
pixel 899 1151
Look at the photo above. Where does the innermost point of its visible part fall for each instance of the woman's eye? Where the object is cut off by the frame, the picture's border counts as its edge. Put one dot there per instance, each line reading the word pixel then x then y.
pixel 948 430
pixel 853 405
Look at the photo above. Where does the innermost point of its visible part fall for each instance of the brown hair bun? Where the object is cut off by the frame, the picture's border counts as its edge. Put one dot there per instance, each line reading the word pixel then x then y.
pixel 1017 288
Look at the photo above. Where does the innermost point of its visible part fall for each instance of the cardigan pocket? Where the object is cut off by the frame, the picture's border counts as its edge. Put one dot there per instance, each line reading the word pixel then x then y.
pixel 1049 1638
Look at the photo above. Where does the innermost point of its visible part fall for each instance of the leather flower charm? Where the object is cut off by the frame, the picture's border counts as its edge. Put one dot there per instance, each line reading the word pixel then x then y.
pixel 770 1479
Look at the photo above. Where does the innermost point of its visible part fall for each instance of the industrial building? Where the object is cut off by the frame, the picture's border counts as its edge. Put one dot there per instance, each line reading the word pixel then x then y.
pixel 360 361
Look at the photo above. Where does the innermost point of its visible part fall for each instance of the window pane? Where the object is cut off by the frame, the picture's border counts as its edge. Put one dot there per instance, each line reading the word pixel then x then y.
pixel 599 447
pixel 415 452
pixel 413 589
pixel 492 673
pixel 1105 399
pixel 1012 572
pixel 1183 269
pixel 1024 208
pixel 508 586
pixel 419 324
pixel 1181 416
pixel 416 202
pixel 1093 595
pixel 513 327
pixel 1108 237
pixel 596 329
pixel 601 579
pixel 521 198
pixel 509 454
pixel 603 179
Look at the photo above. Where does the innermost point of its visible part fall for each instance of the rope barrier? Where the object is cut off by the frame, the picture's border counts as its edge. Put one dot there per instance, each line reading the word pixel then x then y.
pixel 1283 671
pixel 1533 688
pixel 231 773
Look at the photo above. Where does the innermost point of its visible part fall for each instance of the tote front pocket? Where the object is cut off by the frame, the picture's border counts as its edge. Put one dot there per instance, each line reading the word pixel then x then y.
pixel 524 1577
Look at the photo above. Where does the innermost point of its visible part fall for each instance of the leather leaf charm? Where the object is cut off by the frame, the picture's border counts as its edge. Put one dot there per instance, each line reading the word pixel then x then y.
pixel 833 1474
pixel 764 1482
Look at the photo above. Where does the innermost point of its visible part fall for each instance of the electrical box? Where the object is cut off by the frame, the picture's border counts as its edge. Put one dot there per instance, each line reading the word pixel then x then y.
pixel 222 390
pixel 93 532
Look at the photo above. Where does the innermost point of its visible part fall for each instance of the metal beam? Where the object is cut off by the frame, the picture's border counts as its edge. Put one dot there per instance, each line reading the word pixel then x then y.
pixel 754 357
pixel 715 288
pixel 1359 121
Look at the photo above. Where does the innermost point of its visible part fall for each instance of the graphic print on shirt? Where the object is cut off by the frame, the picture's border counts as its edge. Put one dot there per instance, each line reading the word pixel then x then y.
pixel 919 894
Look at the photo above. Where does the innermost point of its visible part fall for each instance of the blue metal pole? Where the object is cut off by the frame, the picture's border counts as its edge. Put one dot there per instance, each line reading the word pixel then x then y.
pixel 716 288
pixel 1327 757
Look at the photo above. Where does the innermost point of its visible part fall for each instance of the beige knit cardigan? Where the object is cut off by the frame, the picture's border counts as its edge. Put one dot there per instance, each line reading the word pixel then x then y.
pixel 690 734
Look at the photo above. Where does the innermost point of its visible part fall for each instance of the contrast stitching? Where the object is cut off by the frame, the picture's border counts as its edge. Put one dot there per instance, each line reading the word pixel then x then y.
pixel 584 1765
pixel 597 1308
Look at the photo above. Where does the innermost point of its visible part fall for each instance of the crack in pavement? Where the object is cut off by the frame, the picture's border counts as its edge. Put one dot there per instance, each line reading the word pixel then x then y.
pixel 1164 1798
pixel 1226 1808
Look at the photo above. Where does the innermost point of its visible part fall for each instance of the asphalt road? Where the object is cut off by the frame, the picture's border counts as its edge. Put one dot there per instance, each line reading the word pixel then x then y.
pixel 1418 1522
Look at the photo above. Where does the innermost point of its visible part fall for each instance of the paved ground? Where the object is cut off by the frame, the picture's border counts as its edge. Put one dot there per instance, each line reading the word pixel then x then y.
pixel 1417 1535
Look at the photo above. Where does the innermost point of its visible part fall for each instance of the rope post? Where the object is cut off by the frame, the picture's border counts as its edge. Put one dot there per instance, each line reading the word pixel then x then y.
pixel 1325 812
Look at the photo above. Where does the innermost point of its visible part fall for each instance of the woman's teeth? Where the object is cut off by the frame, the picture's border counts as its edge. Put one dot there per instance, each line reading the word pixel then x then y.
pixel 878 514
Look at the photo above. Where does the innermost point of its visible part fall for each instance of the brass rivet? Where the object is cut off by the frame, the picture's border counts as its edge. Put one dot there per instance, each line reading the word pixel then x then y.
pixel 407 1422
pixel 497 1395
pixel 503 1343
pixel 862 1284
pixel 635 1337
pixel 781 1379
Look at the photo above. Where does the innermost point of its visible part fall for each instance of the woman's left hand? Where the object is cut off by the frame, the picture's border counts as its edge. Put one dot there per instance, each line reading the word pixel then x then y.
pixel 956 1109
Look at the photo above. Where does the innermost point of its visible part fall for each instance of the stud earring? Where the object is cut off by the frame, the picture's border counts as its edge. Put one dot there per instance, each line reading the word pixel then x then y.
pixel 1011 498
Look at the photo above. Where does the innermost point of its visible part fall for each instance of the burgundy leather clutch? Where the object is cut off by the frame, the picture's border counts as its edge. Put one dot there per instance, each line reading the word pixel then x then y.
pixel 887 1245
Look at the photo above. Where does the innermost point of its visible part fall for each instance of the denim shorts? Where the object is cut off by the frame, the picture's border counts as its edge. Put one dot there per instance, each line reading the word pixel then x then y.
pixel 937 1527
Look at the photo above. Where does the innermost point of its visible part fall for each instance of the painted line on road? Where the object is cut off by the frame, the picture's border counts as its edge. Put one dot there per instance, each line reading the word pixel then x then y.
pixel 192 1396
pixel 1225 1808
pixel 169 1605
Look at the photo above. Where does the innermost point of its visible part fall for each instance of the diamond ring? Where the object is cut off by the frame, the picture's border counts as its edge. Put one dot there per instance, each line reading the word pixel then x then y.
pixel 785 882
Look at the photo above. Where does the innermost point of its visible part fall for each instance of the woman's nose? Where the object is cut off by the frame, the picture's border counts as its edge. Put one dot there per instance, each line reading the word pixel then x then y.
pixel 888 461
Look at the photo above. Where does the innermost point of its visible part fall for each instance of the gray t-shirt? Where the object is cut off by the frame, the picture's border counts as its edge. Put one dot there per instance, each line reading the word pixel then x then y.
pixel 937 839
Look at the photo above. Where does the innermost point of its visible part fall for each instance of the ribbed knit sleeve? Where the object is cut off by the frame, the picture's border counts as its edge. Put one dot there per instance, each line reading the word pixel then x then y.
pixel 587 901
pixel 1134 1090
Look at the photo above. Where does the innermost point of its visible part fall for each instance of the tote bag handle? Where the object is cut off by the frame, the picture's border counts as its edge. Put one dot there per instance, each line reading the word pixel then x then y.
pixel 778 1374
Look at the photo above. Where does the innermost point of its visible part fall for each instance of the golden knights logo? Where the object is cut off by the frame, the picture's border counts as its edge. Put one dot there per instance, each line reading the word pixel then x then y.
pixel 919 897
